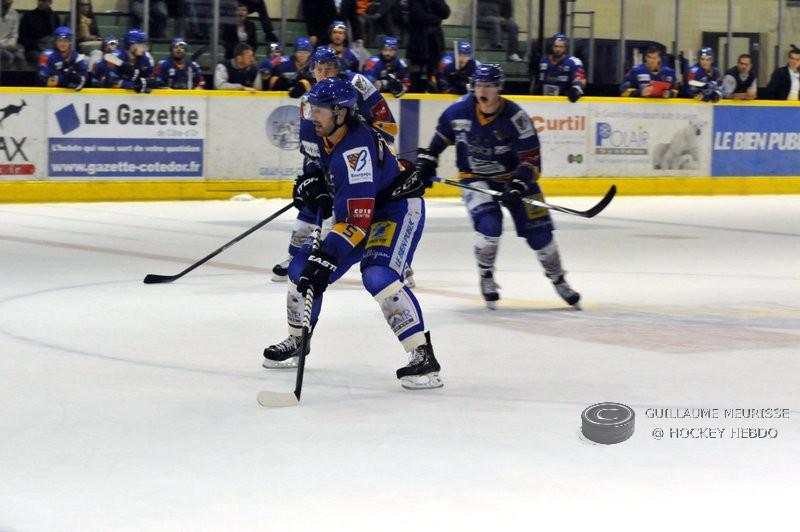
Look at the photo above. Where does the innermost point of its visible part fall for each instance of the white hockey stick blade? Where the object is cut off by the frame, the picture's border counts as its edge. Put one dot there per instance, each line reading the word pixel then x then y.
pixel 697 83
pixel 267 398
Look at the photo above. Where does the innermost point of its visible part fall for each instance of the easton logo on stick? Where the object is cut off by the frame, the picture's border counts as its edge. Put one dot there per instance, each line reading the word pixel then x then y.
pixel 608 423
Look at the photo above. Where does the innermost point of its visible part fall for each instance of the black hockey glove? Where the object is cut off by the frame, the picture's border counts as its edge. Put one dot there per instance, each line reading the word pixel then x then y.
pixel 317 273
pixel 515 190
pixel 426 165
pixel 299 87
pixel 394 85
pixel 74 80
pixel 711 92
pixel 141 85
pixel 310 192
pixel 574 93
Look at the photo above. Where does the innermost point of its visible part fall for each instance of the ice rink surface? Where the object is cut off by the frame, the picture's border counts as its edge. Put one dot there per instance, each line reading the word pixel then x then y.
pixel 126 406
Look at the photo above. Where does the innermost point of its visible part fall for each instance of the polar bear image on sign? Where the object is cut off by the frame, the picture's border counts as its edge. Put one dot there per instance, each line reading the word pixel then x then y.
pixel 683 151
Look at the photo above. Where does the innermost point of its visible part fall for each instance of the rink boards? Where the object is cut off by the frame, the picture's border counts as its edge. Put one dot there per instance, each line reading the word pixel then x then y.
pixel 58 145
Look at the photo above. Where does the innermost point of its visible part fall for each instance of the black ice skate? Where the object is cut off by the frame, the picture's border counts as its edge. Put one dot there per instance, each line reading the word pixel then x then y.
pixel 283 354
pixel 422 371
pixel 489 289
pixel 281 270
pixel 567 293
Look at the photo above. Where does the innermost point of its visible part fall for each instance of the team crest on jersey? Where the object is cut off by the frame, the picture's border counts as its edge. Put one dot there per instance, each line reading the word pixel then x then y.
pixel 522 122
pixel 359 165
pixel 363 85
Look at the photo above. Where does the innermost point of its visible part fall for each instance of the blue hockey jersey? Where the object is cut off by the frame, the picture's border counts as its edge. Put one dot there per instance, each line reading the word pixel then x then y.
pixel 453 80
pixel 67 71
pixel 490 147
pixel 697 73
pixel 555 78
pixel 378 69
pixel 640 76
pixel 174 76
pixel 116 70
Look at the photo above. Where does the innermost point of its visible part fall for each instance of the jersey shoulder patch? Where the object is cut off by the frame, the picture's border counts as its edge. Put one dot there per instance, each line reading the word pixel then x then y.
pixel 363 85
pixel 522 123
pixel 359 165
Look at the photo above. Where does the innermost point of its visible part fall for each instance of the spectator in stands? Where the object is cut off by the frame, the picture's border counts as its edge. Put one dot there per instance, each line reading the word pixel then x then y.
pixel 88 38
pixel 198 13
pixel 785 81
pixel 176 72
pixel 239 72
pixel 10 53
pixel 244 31
pixel 496 16
pixel 374 13
pixel 337 34
pixel 426 44
pixel 386 71
pixel 260 7
pixel 320 14
pixel 454 72
pixel 159 14
pixel 62 66
pixel 703 79
pixel 651 79
pixel 739 83
pixel 36 29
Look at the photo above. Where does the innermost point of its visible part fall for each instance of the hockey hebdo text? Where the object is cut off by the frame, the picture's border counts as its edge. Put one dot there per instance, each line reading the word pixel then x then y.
pixel 717 423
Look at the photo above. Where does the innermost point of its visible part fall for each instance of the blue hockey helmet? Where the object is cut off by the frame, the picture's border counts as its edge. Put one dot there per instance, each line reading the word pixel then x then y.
pixel 63 32
pixel 560 37
pixel 134 36
pixel 178 41
pixel 337 25
pixel 390 42
pixel 489 73
pixel 303 44
pixel 706 52
pixel 464 48
pixel 324 55
pixel 275 48
pixel 334 93
pixel 108 40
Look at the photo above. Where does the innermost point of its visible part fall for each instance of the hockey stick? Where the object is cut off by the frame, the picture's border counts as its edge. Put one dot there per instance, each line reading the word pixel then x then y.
pixel 153 278
pixel 268 398
pixel 590 213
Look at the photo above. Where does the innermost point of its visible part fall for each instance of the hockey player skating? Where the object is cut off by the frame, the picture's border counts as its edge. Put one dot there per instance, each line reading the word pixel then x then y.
pixel 378 214
pixel 371 105
pixel 559 74
pixel 497 148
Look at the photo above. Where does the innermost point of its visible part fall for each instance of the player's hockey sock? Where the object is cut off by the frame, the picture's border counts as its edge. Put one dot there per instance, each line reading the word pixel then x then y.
pixel 486 251
pixel 403 314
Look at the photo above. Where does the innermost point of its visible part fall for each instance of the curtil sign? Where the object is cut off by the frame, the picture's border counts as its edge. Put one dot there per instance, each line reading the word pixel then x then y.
pixel 125 137
pixel 562 130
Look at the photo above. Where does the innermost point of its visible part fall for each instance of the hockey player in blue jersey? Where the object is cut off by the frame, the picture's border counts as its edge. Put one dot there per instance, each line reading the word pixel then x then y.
pixel 176 72
pixel 454 73
pixel 62 66
pixel 371 106
pixel 273 59
pixel 703 79
pixel 386 71
pixel 291 73
pixel 378 214
pixel 337 32
pixel 497 148
pixel 651 79
pixel 560 75
pixel 130 67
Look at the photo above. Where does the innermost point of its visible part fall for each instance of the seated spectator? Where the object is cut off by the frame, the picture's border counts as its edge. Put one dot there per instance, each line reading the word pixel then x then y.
pixel 337 34
pixel 319 14
pixel 176 72
pixel 36 30
pixel 244 31
pixel 260 7
pixel 159 14
pixel 199 15
pixel 559 74
pixel 454 73
pixel 11 55
pixel 62 66
pixel 107 46
pixel 426 42
pixel 239 72
pixel 386 71
pixel 130 67
pixel 498 15
pixel 785 81
pixel 702 80
pixel 289 73
pixel 651 79
pixel 371 15
pixel 739 83
pixel 88 38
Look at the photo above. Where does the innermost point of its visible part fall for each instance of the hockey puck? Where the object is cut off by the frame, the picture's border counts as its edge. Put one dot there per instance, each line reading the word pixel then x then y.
pixel 607 423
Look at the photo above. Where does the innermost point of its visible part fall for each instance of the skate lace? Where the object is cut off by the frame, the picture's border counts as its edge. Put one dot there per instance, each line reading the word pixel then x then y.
pixel 417 356
pixel 288 345
pixel 488 285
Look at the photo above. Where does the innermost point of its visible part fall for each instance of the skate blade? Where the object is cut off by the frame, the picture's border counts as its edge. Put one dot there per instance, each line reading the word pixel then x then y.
pixel 289 363
pixel 277 399
pixel 421 382
pixel 491 305
pixel 279 278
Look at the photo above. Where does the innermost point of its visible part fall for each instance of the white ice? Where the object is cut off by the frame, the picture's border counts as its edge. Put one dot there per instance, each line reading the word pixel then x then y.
pixel 126 406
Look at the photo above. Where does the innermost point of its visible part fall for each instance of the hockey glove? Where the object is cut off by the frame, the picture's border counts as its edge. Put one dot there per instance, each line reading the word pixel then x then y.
pixel 574 93
pixel 299 87
pixel 140 85
pixel 711 92
pixel 426 165
pixel 310 192
pixel 317 273
pixel 515 190
pixel 394 85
